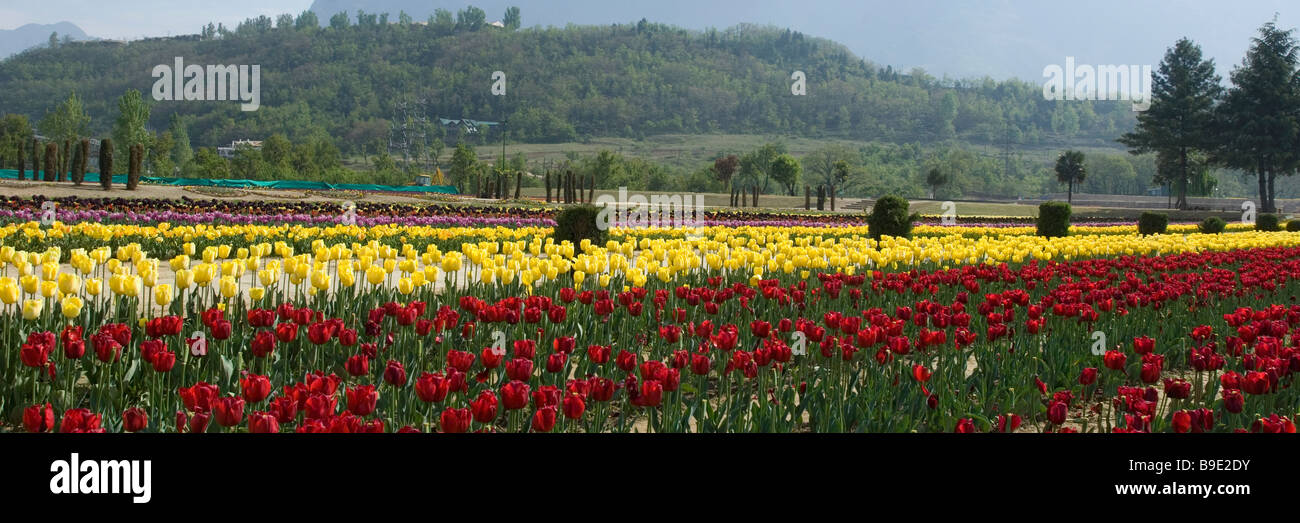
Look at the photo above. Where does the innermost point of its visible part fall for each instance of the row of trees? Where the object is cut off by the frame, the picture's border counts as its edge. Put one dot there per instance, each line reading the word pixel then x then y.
pixel 1253 126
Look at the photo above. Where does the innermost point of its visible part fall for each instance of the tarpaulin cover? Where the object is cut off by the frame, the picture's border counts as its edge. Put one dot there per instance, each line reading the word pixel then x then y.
pixel 120 179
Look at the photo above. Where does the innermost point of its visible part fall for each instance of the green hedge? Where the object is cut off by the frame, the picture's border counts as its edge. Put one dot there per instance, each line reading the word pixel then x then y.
pixel 578 223
pixel 889 217
pixel 1213 225
pixel 1054 219
pixel 1153 223
pixel 1267 223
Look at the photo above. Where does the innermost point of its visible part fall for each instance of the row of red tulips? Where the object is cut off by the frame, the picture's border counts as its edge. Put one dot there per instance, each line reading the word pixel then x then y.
pixel 977 348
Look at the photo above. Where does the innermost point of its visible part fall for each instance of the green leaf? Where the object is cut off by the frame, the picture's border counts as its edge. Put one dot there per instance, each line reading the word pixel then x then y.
pixel 130 371
pixel 227 367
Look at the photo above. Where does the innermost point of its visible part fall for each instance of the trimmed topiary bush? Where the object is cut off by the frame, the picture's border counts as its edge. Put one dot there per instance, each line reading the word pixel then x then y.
pixel 889 217
pixel 1153 223
pixel 135 157
pixel 1293 226
pixel 1054 219
pixel 1267 223
pixel 1213 225
pixel 106 163
pixel 578 223
pixel 51 161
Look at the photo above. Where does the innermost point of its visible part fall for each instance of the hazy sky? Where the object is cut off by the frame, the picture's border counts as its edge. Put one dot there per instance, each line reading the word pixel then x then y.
pixel 960 38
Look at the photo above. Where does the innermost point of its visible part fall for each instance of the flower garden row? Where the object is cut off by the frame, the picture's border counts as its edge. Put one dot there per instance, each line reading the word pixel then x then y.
pixel 314 329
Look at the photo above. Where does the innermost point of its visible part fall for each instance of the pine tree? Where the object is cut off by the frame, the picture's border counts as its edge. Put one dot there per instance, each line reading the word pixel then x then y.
pixel 1180 120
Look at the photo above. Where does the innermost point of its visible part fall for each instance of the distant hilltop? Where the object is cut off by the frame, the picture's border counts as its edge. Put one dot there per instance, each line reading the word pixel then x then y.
pixel 14 41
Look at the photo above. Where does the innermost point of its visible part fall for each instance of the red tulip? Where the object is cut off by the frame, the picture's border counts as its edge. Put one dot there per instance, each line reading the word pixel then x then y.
pixel 134 419
pixel 1056 412
pixel 598 354
pixel 285 409
pixel 1114 360
pixel 519 369
pixel 432 388
pixel 263 423
pixel 164 361
pixel 574 406
pixel 199 422
pixel 1177 389
pixel 544 419
pixel 320 406
pixel 80 420
pixel 455 421
pixel 395 374
pixel 286 332
pixel 515 395
pixel 1182 422
pixel 263 343
pixel 484 407
pixel 229 411
pixel 362 399
pixel 652 392
pixel 358 365
pixel 1256 383
pixel 74 346
pixel 1232 400
pixel 254 388
pixel 199 397
pixel 1143 345
pixel 1088 376
pixel 38 418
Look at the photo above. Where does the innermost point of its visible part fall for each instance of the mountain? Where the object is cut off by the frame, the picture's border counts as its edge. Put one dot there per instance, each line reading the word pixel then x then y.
pixel 14 41
pixel 355 83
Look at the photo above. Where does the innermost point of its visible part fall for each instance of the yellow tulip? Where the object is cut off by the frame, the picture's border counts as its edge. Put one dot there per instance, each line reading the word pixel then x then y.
pixel 9 291
pixel 93 286
pixel 71 306
pixel 32 309
pixel 320 280
pixel 162 295
pixel 69 283
pixel 256 293
pixel 184 279
pixel 375 275
pixel 31 283
pixel 229 287
pixel 48 288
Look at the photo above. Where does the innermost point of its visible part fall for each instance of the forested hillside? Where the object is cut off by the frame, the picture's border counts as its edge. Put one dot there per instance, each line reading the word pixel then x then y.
pixel 352 82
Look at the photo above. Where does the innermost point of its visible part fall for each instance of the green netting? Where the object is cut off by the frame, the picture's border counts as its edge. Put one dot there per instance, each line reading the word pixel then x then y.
pixel 120 179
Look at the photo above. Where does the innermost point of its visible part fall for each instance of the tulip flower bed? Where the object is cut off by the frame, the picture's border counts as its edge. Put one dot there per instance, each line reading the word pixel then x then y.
pixel 754 330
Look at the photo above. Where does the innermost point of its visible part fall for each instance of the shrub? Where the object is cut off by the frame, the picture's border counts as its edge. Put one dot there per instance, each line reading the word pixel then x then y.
pixel 578 223
pixel 1293 226
pixel 1054 219
pixel 1213 225
pixel 106 163
pixel 888 218
pixel 1153 223
pixel 1267 223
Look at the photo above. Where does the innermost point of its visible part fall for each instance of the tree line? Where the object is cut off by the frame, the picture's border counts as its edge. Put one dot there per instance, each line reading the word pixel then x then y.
pixel 349 79
pixel 1252 126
